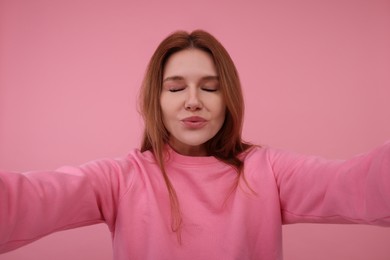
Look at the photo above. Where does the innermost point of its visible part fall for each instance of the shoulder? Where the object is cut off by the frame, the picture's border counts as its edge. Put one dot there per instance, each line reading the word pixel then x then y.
pixel 256 153
pixel 272 155
pixel 269 159
pixel 123 168
pixel 136 155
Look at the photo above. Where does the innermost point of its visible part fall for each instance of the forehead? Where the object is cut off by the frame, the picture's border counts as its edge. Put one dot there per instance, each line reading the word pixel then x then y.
pixel 190 63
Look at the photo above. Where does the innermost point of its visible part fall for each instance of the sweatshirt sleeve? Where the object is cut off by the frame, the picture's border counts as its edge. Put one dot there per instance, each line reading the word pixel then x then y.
pixel 317 190
pixel 35 204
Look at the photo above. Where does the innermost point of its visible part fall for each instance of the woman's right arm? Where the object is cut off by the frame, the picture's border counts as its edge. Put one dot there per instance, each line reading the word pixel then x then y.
pixel 35 204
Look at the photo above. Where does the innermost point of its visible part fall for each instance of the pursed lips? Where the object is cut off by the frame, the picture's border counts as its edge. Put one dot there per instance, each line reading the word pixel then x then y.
pixel 194 122
pixel 194 119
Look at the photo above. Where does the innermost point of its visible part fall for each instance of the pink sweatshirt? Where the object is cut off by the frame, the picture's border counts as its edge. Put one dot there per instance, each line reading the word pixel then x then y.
pixel 129 194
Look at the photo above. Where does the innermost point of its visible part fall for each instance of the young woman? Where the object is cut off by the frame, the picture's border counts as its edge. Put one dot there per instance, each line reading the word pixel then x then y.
pixel 195 190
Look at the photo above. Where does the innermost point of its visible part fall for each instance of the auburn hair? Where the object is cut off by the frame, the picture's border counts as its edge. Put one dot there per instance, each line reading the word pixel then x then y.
pixel 227 144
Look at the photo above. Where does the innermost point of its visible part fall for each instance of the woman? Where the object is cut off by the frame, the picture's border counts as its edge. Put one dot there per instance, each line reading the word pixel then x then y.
pixel 195 190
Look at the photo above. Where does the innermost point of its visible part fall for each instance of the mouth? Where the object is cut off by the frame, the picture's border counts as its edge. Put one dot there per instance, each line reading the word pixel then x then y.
pixel 194 122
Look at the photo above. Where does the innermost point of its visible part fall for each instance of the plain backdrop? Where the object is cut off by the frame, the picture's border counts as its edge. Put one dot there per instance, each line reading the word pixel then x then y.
pixel 315 74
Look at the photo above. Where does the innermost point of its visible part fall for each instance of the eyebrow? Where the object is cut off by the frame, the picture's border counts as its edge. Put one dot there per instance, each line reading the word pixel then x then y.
pixel 177 78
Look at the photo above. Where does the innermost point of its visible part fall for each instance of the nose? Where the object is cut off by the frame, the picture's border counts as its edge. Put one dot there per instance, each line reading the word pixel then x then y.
pixel 193 101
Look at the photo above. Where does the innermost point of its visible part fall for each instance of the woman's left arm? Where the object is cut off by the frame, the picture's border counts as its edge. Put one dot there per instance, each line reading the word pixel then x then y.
pixel 313 189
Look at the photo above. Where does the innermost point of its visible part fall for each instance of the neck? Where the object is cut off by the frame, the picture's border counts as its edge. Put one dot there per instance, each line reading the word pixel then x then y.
pixel 188 150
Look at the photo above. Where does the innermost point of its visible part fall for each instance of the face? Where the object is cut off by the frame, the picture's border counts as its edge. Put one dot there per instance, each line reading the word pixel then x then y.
pixel 191 101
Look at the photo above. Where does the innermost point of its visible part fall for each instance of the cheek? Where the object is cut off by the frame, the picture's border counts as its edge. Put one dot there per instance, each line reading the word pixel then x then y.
pixel 164 105
pixel 168 114
pixel 221 108
pixel 170 104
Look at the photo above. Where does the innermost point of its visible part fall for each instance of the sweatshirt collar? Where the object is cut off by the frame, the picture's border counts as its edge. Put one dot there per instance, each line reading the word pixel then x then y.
pixel 175 157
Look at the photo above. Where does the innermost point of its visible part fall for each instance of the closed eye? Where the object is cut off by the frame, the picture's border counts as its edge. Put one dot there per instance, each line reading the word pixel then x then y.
pixel 210 85
pixel 209 89
pixel 175 89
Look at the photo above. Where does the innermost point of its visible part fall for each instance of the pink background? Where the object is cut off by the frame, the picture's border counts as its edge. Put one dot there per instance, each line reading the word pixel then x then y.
pixel 316 78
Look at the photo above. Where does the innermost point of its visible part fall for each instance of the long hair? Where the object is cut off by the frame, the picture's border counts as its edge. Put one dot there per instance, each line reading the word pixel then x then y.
pixel 227 144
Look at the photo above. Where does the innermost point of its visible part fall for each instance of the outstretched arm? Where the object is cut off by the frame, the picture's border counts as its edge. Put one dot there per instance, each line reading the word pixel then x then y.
pixel 313 189
pixel 35 204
